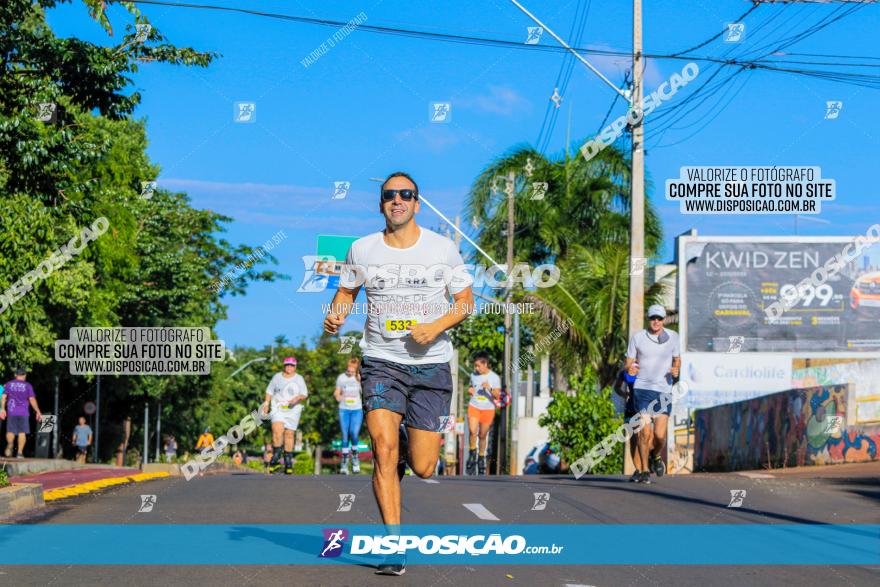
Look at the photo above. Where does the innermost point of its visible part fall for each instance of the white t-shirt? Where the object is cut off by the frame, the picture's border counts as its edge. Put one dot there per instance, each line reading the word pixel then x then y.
pixel 283 389
pixel 482 398
pixel 405 286
pixel 655 359
pixel 351 392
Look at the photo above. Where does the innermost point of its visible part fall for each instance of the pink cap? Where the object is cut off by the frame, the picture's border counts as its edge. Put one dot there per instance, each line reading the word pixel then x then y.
pixel 289 361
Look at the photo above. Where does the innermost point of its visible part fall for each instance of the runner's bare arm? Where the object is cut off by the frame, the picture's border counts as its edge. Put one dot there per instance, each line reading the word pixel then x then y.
pixel 337 393
pixel 33 402
pixel 462 307
pixel 676 366
pixel 630 367
pixel 339 309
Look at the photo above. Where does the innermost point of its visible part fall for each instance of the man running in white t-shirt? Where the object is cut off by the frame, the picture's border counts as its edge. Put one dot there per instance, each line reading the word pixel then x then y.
pixel 485 388
pixel 654 357
pixel 408 274
pixel 285 395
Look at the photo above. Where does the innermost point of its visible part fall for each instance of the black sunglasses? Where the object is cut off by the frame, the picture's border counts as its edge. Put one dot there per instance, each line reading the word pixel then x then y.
pixel 654 318
pixel 405 195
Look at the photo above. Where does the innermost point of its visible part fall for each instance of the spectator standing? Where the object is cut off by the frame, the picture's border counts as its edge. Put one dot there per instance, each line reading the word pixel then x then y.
pixel 170 448
pixel 15 406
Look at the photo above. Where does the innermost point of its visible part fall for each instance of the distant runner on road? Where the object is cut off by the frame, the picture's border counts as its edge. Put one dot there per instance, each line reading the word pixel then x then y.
pixel 351 413
pixel 285 395
pixel 658 354
pixel 485 388
pixel 406 351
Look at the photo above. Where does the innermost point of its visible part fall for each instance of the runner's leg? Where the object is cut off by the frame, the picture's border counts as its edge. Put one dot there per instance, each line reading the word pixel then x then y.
pixel 344 425
pixel 356 419
pixel 644 442
pixel 22 438
pixel 383 426
pixel 424 451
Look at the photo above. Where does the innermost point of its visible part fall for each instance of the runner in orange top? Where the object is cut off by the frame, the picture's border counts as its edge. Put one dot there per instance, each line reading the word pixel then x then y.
pixel 484 389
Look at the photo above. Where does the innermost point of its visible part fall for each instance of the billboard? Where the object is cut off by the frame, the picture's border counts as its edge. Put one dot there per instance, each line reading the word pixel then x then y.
pixel 727 283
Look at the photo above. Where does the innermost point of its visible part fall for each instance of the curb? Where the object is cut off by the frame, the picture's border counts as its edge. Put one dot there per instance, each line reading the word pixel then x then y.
pixel 20 497
pixel 83 488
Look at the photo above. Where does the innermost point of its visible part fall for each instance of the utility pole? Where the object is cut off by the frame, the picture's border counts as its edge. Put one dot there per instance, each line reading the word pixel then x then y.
pixel 514 399
pixel 158 429
pixel 57 423
pixel 146 455
pixel 637 203
pixel 97 419
pixel 510 190
pixel 637 200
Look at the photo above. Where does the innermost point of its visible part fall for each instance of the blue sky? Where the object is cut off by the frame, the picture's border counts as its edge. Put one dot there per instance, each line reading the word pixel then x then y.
pixel 361 111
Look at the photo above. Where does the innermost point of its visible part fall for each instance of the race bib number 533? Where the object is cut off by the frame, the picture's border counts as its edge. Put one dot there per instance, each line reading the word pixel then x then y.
pixel 398 328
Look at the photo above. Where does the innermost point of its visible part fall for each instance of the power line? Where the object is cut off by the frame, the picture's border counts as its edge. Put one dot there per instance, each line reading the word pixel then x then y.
pixel 445 37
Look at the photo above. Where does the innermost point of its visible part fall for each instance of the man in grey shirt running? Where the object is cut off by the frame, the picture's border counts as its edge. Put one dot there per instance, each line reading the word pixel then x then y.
pixel 658 354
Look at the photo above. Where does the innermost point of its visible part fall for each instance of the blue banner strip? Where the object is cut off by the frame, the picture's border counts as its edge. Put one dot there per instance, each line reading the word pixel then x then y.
pixel 218 544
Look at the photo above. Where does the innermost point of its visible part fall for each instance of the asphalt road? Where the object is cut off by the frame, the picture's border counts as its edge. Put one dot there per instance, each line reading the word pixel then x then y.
pixel 259 499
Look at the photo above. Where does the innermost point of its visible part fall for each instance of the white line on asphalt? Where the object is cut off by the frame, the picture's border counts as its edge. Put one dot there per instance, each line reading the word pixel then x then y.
pixel 756 475
pixel 430 481
pixel 480 511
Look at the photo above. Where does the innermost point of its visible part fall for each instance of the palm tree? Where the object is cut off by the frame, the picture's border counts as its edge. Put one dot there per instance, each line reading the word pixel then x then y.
pixel 589 330
pixel 587 204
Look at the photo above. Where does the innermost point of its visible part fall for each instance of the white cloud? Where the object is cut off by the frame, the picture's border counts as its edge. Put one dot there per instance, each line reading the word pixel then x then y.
pixel 500 100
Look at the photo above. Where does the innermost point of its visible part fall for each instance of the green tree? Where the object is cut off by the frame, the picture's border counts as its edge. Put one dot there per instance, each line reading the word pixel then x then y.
pixel 160 260
pixel 580 420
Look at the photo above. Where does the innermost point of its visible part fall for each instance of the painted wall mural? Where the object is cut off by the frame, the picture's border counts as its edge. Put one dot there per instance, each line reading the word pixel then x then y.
pixel 790 428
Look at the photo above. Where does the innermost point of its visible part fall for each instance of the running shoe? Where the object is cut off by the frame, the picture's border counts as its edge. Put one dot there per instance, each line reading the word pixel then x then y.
pixel 19 456
pixel 355 463
pixel 402 452
pixel 657 465
pixel 645 478
pixel 288 471
pixel 274 468
pixel 8 452
pixel 481 465
pixel 393 565
pixel 344 465
pixel 636 477
pixel 472 462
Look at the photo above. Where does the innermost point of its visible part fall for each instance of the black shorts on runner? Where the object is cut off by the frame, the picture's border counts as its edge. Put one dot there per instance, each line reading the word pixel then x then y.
pixel 420 393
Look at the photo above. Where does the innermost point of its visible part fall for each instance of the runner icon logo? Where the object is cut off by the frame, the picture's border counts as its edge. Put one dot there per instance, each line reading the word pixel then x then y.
pixel 735 33
pixel 346 344
pixel 737 496
pixel 535 33
pixel 346 500
pixel 334 542
pixel 447 424
pixel 832 109
pixel 340 189
pixel 147 503
pixel 736 343
pixel 541 500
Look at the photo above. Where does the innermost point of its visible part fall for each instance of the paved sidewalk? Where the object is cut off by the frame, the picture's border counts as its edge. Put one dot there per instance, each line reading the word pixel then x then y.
pixel 56 479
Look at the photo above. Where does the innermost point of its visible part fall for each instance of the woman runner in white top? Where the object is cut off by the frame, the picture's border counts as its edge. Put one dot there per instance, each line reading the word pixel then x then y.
pixel 351 413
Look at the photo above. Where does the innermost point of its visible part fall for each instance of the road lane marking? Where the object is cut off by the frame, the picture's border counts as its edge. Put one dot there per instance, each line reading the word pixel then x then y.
pixel 756 475
pixel 480 511
pixel 430 481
